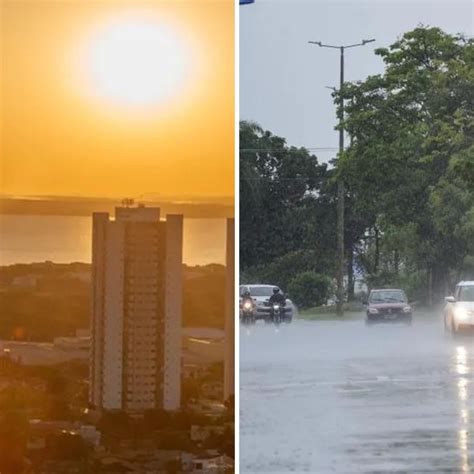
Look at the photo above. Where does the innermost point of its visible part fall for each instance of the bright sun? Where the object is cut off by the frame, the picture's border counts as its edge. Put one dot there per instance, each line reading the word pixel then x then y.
pixel 138 62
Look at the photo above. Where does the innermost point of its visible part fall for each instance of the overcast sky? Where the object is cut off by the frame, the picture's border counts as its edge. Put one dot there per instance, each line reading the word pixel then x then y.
pixel 283 78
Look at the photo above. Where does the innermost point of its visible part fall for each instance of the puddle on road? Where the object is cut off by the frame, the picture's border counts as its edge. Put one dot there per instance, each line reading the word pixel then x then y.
pixel 463 369
pixel 402 406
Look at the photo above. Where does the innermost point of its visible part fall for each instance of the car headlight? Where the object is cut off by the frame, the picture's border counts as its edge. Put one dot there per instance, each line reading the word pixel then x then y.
pixel 460 313
pixel 407 309
pixel 275 306
pixel 373 310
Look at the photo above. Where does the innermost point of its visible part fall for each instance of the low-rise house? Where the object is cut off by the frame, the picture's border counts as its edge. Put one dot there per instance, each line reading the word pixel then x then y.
pixel 213 465
pixel 213 390
pixel 90 434
pixel 41 430
pixel 187 461
pixel 73 343
pixel 85 276
pixel 139 462
pixel 60 467
pixel 25 281
pixel 202 433
pixel 207 407
pixel 193 371
pixel 116 465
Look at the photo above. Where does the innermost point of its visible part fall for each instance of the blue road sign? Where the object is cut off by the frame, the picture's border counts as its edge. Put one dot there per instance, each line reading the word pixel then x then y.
pixel 245 2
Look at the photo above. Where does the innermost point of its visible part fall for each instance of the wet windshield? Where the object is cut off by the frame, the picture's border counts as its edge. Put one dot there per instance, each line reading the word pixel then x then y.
pixel 388 296
pixel 466 293
pixel 261 291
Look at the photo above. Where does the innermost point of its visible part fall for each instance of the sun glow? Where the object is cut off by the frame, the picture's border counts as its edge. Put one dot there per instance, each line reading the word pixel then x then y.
pixel 138 62
pixel 118 98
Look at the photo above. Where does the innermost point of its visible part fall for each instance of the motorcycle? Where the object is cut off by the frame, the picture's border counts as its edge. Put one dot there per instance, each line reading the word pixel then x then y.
pixel 277 313
pixel 248 316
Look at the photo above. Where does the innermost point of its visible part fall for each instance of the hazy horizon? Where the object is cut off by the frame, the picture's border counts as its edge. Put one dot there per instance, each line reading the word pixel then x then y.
pixel 85 206
pixel 68 238
pixel 149 196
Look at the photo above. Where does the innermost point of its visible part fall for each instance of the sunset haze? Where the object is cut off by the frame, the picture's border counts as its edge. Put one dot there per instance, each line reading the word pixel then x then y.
pixel 69 128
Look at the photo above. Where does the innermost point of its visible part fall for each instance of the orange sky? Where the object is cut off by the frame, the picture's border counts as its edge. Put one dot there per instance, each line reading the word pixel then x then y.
pixel 60 136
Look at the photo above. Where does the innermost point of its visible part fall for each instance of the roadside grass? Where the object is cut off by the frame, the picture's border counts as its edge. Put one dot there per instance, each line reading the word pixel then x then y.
pixel 327 313
pixel 356 311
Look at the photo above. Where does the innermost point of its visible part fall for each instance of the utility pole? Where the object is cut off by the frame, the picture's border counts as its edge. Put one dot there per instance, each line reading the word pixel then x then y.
pixel 340 182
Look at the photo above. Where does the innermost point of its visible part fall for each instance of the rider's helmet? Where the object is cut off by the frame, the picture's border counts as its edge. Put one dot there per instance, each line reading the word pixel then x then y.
pixel 246 294
pixel 276 290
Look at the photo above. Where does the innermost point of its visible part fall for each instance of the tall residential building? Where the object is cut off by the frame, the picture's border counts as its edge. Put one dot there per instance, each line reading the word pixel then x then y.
pixel 229 363
pixel 136 315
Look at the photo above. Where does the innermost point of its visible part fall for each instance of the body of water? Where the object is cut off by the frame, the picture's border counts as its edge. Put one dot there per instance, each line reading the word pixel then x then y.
pixel 63 239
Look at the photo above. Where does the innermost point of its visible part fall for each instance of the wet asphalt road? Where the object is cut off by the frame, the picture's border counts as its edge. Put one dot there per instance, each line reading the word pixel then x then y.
pixel 337 396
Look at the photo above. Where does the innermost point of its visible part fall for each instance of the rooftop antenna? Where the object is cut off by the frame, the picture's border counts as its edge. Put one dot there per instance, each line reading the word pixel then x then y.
pixel 127 202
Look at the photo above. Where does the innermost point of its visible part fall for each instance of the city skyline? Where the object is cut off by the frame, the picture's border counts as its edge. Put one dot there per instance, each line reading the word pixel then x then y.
pixel 117 183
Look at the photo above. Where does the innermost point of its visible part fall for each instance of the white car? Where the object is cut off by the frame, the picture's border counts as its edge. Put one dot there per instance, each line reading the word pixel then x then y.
pixel 459 310
pixel 261 295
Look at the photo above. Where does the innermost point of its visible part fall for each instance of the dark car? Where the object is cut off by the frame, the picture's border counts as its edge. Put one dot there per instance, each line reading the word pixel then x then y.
pixel 388 305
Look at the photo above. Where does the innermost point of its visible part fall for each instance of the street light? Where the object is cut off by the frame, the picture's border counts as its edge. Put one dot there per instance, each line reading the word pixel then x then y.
pixel 340 183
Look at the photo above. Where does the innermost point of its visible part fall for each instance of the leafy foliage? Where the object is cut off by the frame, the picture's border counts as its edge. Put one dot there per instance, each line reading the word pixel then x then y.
pixel 279 185
pixel 408 166
pixel 287 209
pixel 309 289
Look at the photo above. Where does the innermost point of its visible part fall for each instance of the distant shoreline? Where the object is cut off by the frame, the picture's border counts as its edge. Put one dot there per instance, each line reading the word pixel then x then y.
pixel 67 237
pixel 88 266
pixel 69 206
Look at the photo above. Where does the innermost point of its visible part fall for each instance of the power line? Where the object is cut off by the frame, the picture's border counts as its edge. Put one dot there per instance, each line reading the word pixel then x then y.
pixel 322 148
pixel 302 178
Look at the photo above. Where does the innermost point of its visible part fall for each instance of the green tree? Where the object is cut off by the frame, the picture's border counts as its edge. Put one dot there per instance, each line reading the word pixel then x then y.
pixel 278 189
pixel 309 289
pixel 412 136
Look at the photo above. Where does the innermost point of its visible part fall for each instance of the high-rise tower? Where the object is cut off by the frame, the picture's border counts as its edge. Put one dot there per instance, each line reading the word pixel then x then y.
pixel 136 313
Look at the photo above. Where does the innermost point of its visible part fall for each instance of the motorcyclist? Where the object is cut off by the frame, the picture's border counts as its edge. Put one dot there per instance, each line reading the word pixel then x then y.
pixel 246 297
pixel 277 298
pixel 247 305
